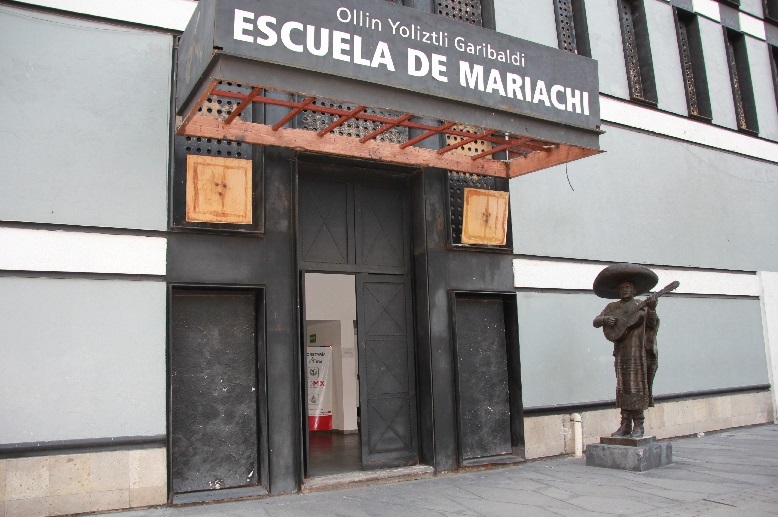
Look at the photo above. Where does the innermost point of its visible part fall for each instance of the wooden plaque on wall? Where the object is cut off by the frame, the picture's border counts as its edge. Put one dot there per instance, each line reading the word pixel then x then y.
pixel 485 217
pixel 218 190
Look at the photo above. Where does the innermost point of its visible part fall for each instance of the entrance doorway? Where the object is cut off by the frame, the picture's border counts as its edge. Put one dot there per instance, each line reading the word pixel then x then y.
pixel 360 396
pixel 332 376
pixel 355 263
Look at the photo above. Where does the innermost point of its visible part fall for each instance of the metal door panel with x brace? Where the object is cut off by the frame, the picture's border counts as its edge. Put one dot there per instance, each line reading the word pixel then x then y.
pixel 387 384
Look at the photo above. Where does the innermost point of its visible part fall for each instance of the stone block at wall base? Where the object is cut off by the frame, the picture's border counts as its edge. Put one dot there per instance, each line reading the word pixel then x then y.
pixel 550 435
pixel 33 507
pixel 65 484
pixel 148 496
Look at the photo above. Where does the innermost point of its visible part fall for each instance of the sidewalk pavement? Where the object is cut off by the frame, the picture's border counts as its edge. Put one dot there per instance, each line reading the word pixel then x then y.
pixel 730 473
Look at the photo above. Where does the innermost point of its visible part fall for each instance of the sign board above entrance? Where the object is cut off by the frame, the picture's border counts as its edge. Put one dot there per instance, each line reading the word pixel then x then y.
pixel 385 44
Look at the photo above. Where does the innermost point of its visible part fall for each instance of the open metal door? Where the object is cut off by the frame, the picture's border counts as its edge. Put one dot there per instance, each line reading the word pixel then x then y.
pixel 386 371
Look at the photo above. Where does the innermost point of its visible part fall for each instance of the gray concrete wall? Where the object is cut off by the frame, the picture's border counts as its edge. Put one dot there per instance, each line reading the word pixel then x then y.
pixel 719 85
pixel 764 87
pixel 670 90
pixel 651 200
pixel 92 149
pixel 753 7
pixel 704 343
pixel 81 359
pixel 607 47
pixel 527 19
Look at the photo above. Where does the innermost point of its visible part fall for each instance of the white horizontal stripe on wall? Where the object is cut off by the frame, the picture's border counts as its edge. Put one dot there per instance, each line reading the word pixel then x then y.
pixel 750 25
pixel 707 8
pixel 632 115
pixel 552 274
pixel 167 14
pixel 75 252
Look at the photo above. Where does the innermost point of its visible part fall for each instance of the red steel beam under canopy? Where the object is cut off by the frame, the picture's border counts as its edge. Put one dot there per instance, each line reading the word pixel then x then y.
pixel 522 153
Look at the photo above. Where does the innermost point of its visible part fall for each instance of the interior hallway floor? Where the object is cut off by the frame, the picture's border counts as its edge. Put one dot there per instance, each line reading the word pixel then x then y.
pixel 332 452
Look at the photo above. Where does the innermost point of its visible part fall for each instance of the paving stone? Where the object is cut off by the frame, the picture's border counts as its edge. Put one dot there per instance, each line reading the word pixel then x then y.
pixel 719 475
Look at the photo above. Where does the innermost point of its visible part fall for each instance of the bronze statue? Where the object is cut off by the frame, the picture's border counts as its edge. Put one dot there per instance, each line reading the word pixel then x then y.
pixel 632 326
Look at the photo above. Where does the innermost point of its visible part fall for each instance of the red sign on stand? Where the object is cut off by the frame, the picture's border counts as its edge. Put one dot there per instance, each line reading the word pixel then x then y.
pixel 319 390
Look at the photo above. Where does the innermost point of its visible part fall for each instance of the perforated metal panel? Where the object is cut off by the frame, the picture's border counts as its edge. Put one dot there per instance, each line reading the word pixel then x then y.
pixel 688 68
pixel 457 183
pixel 471 148
pixel 221 107
pixel 215 147
pixel 565 25
pixel 468 11
pixel 627 14
pixel 737 93
pixel 313 120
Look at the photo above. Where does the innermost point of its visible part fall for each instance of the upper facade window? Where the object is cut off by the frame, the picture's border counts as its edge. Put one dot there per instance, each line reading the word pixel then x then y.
pixel 774 65
pixel 637 51
pixel 693 64
pixel 771 10
pixel 468 11
pixel 572 31
pixel 474 12
pixel 740 75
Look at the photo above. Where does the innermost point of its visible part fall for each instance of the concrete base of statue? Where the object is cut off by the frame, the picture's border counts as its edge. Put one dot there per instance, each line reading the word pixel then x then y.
pixel 625 453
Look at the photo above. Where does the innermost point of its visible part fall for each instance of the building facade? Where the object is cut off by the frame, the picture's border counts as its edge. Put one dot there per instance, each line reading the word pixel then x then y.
pixel 153 353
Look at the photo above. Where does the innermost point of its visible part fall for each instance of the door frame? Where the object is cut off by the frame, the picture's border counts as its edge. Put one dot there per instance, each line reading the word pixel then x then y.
pixel 513 352
pixel 378 174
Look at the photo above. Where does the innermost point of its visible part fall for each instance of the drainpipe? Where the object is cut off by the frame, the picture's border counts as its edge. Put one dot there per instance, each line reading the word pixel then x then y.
pixel 577 434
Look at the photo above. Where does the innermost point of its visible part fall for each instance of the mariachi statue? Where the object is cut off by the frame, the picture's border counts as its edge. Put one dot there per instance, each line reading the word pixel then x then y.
pixel 632 326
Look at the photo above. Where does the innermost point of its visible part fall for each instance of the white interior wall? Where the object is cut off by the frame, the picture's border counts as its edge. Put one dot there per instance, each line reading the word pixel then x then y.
pixel 333 298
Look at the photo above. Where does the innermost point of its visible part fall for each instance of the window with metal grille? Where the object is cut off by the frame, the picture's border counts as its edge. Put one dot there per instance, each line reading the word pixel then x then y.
pixel 468 11
pixel 774 66
pixel 771 9
pixel 637 51
pixel 571 28
pixel 692 64
pixel 474 12
pixel 740 75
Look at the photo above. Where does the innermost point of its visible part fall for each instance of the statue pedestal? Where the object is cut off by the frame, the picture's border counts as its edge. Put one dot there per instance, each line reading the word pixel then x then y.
pixel 624 453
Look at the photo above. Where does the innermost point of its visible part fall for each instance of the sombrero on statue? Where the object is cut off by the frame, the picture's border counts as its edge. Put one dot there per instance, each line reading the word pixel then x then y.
pixel 606 285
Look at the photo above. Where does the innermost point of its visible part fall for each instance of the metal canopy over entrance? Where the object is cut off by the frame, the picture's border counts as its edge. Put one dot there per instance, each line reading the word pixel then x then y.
pixel 532 106
pixel 508 155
